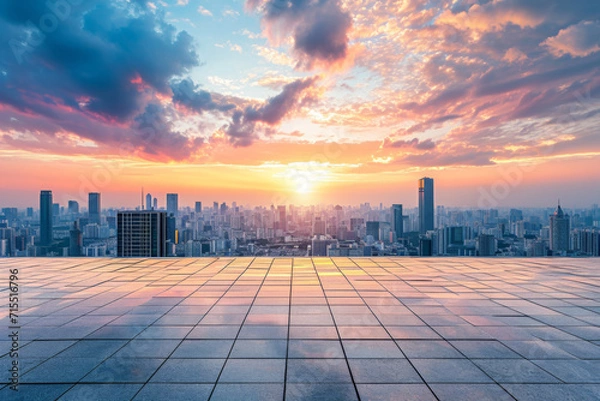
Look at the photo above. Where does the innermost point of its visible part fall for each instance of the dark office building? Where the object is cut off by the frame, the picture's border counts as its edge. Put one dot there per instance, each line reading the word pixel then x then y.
pixel 198 207
pixel 426 207
pixel 373 229
pixel 397 221
pixel 141 234
pixel 73 207
pixel 282 217
pixel 172 229
pixel 46 218
pixel 425 247
pixel 94 208
pixel 75 241
pixel 172 204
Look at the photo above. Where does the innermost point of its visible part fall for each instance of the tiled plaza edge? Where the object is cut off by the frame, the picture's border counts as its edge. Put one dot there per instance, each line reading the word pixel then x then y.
pixel 305 329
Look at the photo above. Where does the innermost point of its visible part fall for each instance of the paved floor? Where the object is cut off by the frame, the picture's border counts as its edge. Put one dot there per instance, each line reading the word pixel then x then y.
pixel 304 329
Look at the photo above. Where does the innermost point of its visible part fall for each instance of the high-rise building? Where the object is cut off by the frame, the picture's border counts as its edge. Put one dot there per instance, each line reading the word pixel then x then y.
pixel 487 245
pixel 148 202
pixel 141 234
pixel 75 240
pixel 155 204
pixel 373 229
pixel 46 233
pixel 172 204
pixel 560 227
pixel 172 229
pixel 397 221
pixel 426 207
pixel 94 208
pixel 198 208
pixel 73 207
pixel 282 217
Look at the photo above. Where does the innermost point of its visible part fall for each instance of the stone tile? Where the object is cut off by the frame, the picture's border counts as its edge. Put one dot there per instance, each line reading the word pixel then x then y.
pixel 450 371
pixel 320 392
pixel 189 371
pixel 573 370
pixel 318 371
pixel 514 371
pixel 253 371
pixel 124 370
pixel 371 349
pixel 383 371
pixel 315 349
pixel 203 349
pixel 101 392
pixel 395 392
pixel 429 349
pixel 484 349
pixel 247 392
pixel 470 392
pixel 174 392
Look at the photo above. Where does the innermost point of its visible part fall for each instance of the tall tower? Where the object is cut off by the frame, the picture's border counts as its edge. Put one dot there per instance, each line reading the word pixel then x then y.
pixel 141 234
pixel 75 240
pixel 282 217
pixel 148 202
pixel 94 208
pixel 46 235
pixel 172 204
pixel 397 221
pixel 560 227
pixel 426 207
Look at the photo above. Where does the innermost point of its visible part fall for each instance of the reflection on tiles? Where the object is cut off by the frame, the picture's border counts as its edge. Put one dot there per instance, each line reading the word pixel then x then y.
pixel 306 329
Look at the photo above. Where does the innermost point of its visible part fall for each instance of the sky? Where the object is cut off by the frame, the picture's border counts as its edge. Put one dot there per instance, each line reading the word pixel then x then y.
pixel 301 101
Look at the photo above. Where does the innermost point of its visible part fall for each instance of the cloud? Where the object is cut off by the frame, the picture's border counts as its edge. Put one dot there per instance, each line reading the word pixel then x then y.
pixel 319 29
pixel 293 97
pixel 102 65
pixel 203 11
pixel 415 143
pixel 578 40
pixel 188 94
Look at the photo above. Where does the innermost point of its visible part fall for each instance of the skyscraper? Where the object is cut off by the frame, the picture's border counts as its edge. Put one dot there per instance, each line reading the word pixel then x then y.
pixel 282 217
pixel 94 208
pixel 73 207
pixel 46 235
pixel 198 207
pixel 172 204
pixel 75 240
pixel 148 202
pixel 141 234
pixel 560 227
pixel 397 221
pixel 426 215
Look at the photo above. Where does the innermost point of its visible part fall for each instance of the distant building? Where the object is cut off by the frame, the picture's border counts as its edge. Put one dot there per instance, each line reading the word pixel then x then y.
pixel 282 215
pixel 94 208
pixel 141 234
pixel 46 218
pixel 198 207
pixel 425 247
pixel 75 241
pixel 73 207
pixel 148 202
pixel 397 221
pixel 487 245
pixel 172 204
pixel 426 205
pixel 373 229
pixel 560 227
pixel 320 245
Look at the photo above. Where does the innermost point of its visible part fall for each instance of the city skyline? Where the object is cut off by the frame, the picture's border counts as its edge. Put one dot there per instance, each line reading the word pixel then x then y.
pixel 250 101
